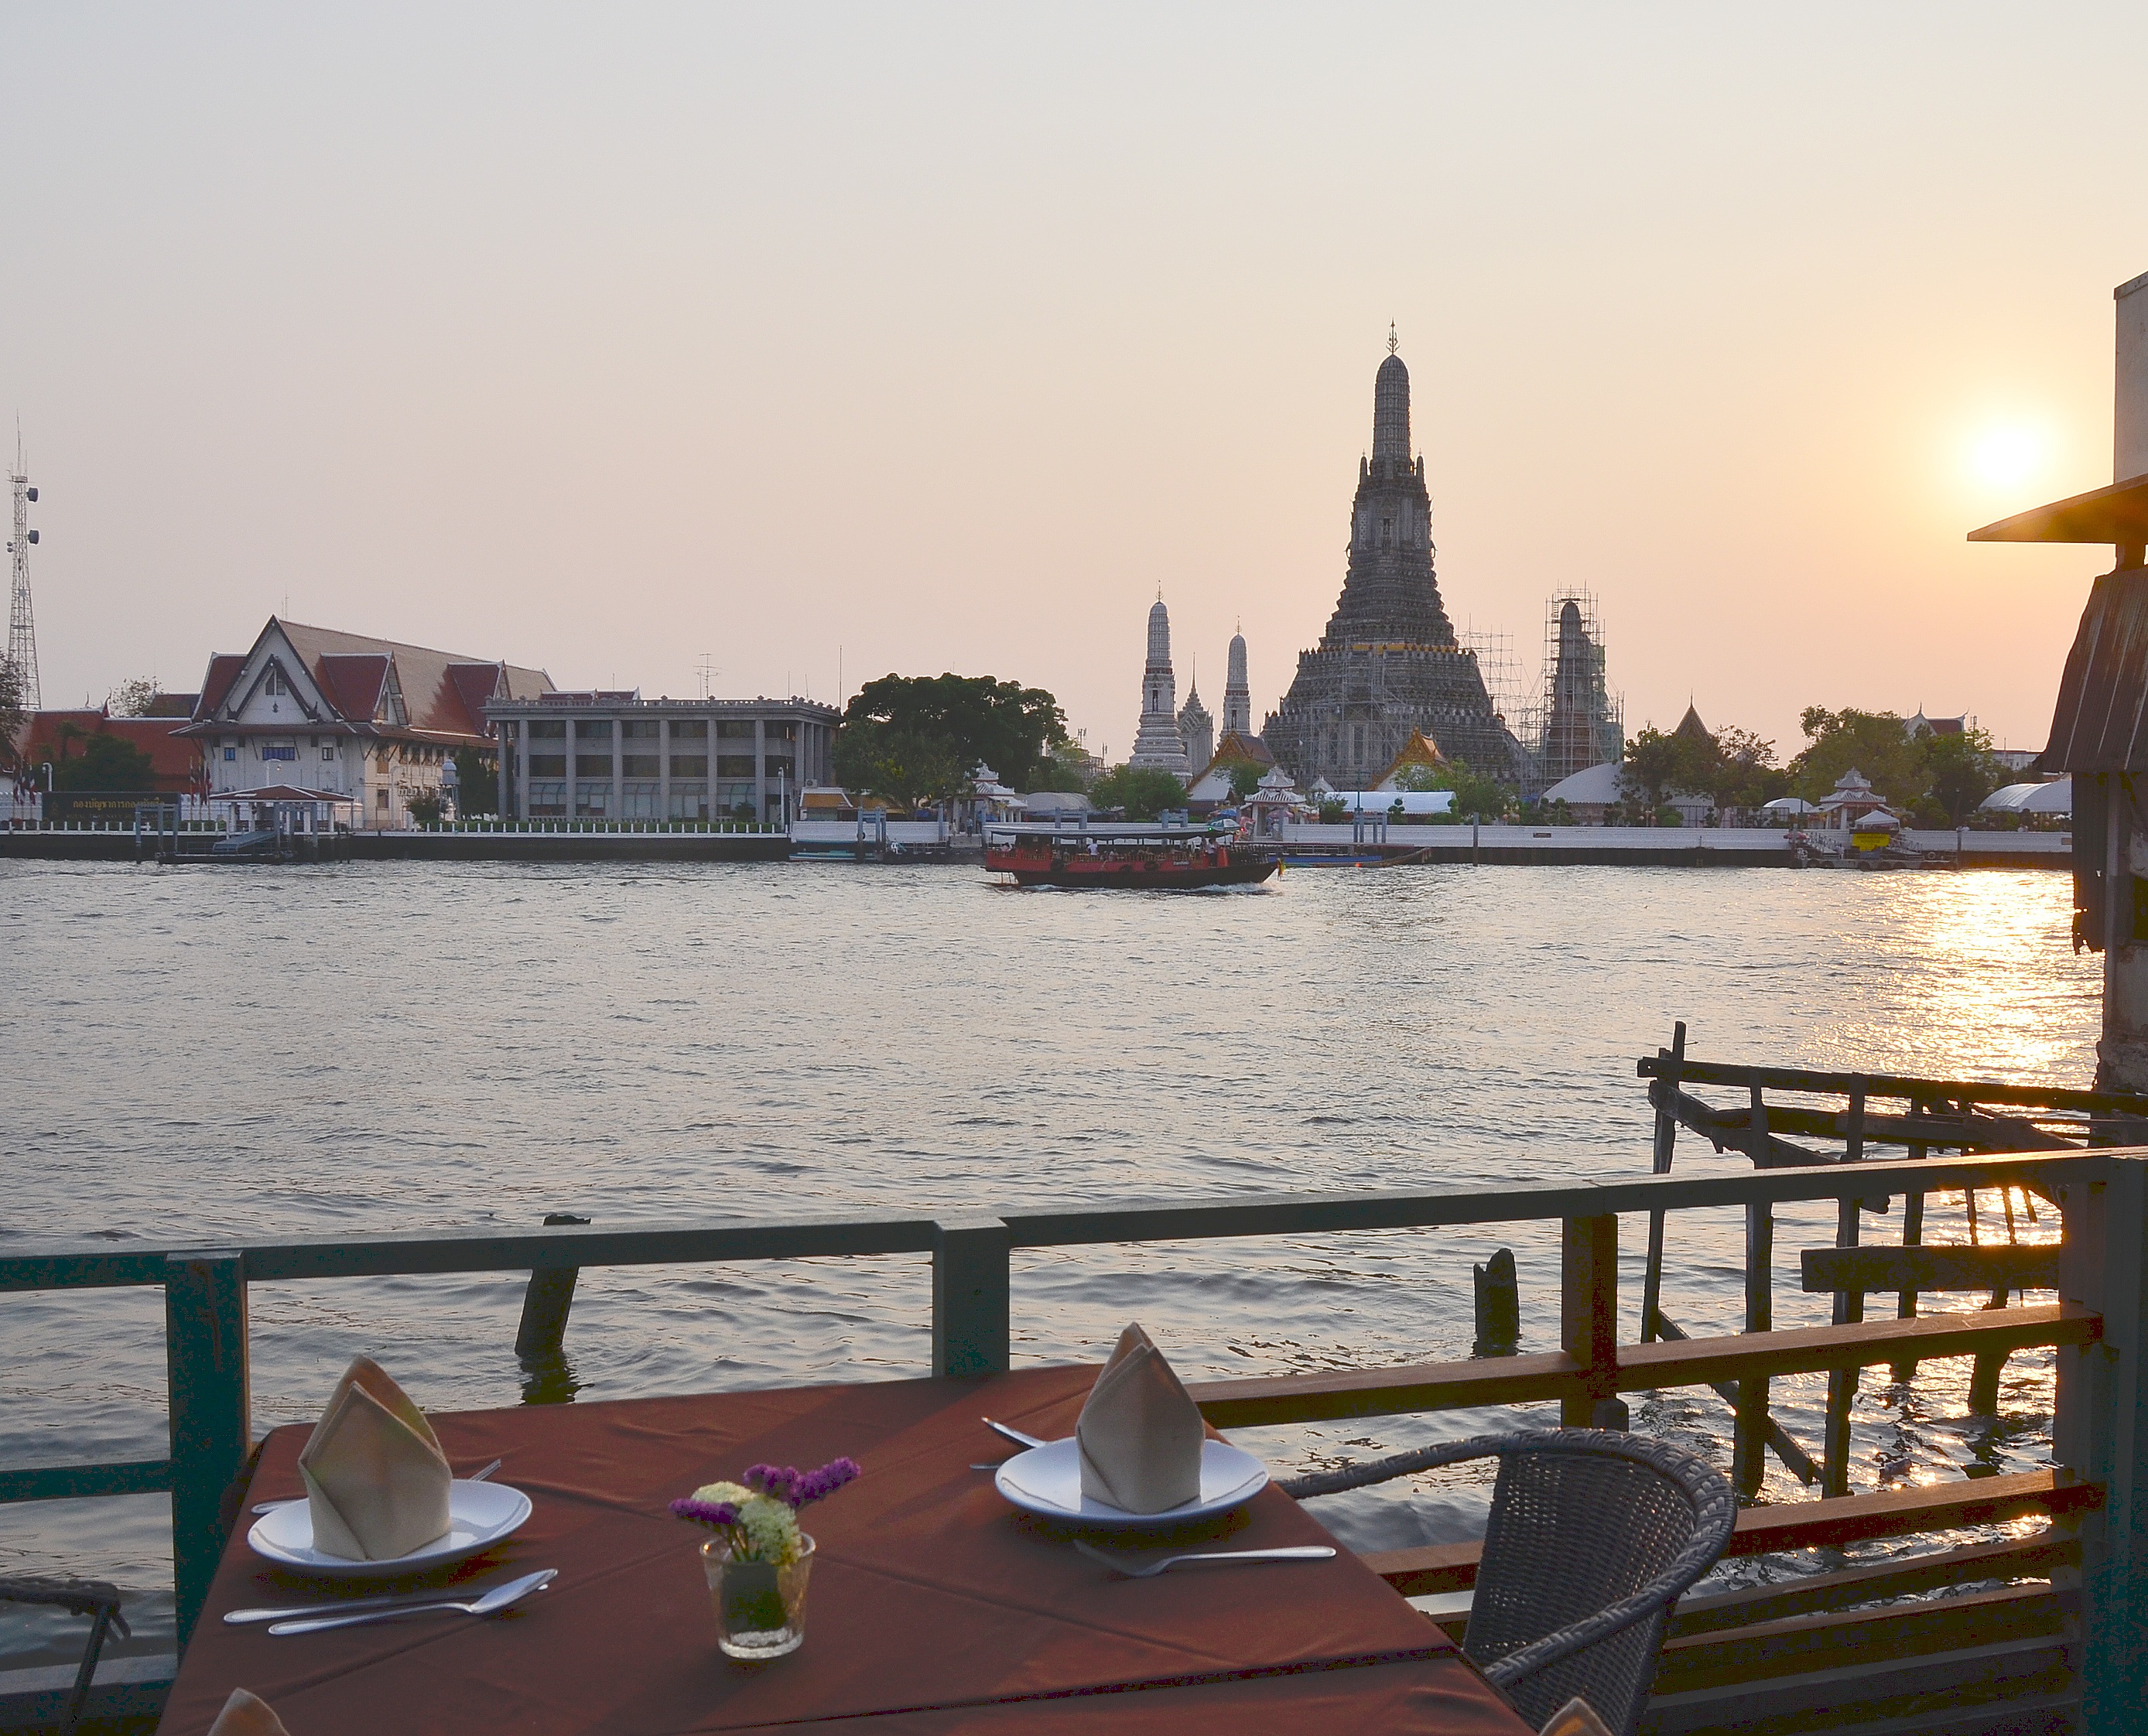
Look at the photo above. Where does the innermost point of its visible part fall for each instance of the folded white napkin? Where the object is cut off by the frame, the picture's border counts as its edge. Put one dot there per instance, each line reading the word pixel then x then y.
pixel 243 1715
pixel 376 1480
pixel 1140 1432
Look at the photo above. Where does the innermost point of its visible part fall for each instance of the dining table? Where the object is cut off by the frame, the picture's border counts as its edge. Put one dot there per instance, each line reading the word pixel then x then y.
pixel 934 1605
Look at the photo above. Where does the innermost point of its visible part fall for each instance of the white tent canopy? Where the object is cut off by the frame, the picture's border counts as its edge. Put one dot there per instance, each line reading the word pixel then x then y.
pixel 2055 797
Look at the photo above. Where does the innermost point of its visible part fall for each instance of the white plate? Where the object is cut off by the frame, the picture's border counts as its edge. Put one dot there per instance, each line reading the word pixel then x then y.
pixel 1048 1480
pixel 480 1514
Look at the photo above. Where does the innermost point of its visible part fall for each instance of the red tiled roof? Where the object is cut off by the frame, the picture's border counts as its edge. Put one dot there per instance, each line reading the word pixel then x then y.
pixel 223 670
pixel 353 683
pixel 175 762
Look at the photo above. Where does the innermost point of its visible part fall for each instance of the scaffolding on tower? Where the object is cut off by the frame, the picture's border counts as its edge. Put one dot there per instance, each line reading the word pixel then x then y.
pixel 1575 720
pixel 21 621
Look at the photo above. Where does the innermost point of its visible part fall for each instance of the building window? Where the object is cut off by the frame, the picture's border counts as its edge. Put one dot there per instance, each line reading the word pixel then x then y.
pixel 328 752
pixel 638 728
pixel 274 684
pixel 593 729
pixel 231 753
pixel 592 801
pixel 279 749
pixel 690 766
pixel 593 765
pixel 731 730
pixel 380 799
pixel 689 804
pixel 1386 533
pixel 640 800
pixel 778 732
pixel 548 800
pixel 548 765
pixel 734 765
pixel 548 728
pixel 735 800
pixel 640 765
pixel 779 766
pixel 690 729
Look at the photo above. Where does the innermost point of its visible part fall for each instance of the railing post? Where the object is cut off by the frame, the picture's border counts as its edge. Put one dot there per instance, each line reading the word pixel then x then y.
pixel 1665 1092
pixel 210 1397
pixel 970 1326
pixel 2101 1432
pixel 1750 1439
pixel 1589 1319
pixel 1849 1308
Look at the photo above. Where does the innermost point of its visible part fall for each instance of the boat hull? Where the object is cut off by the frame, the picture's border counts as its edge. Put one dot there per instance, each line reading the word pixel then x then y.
pixel 1111 876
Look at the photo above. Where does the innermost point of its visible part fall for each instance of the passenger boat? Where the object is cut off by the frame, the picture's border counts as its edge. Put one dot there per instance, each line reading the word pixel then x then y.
pixel 1149 861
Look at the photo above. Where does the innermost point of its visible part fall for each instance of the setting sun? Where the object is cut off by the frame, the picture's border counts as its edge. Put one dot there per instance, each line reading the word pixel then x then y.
pixel 2007 456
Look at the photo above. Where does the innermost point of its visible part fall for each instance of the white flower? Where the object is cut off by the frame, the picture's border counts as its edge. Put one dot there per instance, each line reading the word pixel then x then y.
pixel 716 1493
pixel 771 1528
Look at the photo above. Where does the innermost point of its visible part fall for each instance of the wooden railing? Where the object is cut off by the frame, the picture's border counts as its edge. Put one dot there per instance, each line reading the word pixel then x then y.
pixel 2095 1551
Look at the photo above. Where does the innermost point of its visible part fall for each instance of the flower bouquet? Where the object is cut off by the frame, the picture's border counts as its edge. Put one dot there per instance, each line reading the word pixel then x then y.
pixel 758 1561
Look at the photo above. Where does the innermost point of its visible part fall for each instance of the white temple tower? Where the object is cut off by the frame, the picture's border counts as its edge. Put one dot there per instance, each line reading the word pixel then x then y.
pixel 1238 695
pixel 1196 729
pixel 1157 742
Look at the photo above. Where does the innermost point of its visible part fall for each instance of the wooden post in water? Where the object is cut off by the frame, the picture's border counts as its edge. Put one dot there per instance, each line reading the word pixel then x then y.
pixel 1665 1091
pixel 1913 1235
pixel 1748 1453
pixel 1849 1308
pixel 1588 1320
pixel 971 1330
pixel 547 1301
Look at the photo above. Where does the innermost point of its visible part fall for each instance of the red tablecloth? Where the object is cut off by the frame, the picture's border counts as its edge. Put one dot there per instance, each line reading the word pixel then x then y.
pixel 931 1598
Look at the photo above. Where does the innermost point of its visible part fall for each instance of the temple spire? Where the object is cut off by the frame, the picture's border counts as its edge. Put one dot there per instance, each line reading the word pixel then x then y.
pixel 1390 429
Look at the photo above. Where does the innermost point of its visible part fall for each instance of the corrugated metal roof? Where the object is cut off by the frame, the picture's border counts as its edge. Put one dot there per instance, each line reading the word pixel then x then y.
pixel 2101 722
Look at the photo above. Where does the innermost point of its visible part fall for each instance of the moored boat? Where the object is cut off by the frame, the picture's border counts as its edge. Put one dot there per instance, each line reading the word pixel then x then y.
pixel 1145 861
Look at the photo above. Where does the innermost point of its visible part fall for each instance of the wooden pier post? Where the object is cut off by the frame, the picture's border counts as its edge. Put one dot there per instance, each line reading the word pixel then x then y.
pixel 1588 1320
pixel 1913 1235
pixel 1664 1089
pixel 547 1301
pixel 1498 1305
pixel 1749 1446
pixel 1849 1308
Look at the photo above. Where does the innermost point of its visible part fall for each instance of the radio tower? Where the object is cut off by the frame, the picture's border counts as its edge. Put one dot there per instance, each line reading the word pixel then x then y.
pixel 22 625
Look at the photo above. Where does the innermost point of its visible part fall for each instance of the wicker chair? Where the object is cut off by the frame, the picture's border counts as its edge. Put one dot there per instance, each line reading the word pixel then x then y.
pixel 1594 1536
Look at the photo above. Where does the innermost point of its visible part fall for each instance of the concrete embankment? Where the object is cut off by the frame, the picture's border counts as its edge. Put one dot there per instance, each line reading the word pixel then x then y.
pixel 1575 846
pixel 384 846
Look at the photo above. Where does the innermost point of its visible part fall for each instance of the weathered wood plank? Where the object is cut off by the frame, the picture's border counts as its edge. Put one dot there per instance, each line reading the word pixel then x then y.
pixel 1336 1393
pixel 1896 1084
pixel 1803 1524
pixel 2032 1266
pixel 2038 1557
pixel 70 1482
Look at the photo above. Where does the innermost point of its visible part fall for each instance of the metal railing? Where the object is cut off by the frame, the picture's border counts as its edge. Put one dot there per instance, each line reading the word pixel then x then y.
pixel 2099 1323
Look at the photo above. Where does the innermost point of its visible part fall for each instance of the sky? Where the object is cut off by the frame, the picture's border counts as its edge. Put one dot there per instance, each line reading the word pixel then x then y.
pixel 826 342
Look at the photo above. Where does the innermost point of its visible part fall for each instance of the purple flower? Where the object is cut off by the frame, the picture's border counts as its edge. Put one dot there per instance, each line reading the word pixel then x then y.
pixel 705 1512
pixel 797 1488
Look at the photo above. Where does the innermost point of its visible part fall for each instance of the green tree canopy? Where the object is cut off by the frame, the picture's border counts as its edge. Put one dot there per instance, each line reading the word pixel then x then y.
pixel 1246 775
pixel 972 719
pixel 907 766
pixel 477 782
pixel 106 762
pixel 132 699
pixel 1872 742
pixel 1141 791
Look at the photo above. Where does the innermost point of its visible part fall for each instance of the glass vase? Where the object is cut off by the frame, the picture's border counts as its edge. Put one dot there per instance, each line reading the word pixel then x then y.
pixel 760 1606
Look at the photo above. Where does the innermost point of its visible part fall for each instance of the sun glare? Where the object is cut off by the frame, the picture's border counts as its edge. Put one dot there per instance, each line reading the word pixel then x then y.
pixel 2006 456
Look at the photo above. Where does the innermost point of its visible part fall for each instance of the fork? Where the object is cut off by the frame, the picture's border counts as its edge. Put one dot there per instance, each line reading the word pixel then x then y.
pixel 1298 1551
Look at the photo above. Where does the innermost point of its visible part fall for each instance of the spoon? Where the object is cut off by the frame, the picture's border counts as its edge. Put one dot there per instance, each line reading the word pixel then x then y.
pixel 270 1506
pixel 491 1603
pixel 1301 1551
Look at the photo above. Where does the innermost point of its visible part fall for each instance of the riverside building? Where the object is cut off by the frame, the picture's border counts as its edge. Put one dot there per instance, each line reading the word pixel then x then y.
pixel 615 755
pixel 358 726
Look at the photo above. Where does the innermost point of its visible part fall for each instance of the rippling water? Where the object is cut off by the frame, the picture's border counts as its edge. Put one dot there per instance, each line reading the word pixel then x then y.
pixel 367 1048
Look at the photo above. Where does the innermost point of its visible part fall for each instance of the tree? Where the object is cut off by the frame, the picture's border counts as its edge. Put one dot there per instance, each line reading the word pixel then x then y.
pixel 477 782
pixel 907 766
pixel 974 719
pixel 1141 791
pixel 1872 742
pixel 1745 774
pixel 12 716
pixel 1058 770
pixel 132 699
pixel 106 762
pixel 1653 761
pixel 1962 772
pixel 424 808
pixel 1246 775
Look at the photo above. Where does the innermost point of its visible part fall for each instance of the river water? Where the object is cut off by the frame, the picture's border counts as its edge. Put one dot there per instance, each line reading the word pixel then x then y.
pixel 357 1049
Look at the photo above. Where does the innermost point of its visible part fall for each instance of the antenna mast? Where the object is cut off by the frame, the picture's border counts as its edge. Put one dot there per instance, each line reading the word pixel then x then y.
pixel 21 624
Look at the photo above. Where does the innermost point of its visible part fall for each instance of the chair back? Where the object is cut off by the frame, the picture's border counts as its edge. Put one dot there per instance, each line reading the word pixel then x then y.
pixel 1573 1531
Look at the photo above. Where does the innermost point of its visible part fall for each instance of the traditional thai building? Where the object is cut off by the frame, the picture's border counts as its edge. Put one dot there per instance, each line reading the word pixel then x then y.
pixel 1389 664
pixel 1156 741
pixel 1211 786
pixel 362 725
pixel 1196 729
pixel 1237 693
pixel 1420 753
